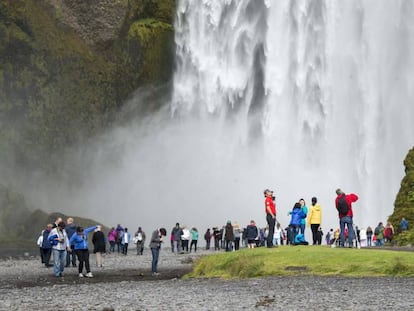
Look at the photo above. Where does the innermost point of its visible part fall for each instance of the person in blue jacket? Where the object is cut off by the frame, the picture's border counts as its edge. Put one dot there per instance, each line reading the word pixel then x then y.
pixel 80 240
pixel 297 215
pixel 47 246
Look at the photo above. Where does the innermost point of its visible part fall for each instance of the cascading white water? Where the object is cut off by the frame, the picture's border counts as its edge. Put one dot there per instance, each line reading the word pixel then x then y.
pixel 300 96
pixel 328 84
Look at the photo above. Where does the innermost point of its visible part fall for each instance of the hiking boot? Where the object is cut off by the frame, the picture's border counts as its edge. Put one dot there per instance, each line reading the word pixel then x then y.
pixel 89 275
pixel 80 275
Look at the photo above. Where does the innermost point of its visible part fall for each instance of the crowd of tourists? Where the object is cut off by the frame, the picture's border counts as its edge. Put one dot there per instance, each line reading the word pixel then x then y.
pixel 68 243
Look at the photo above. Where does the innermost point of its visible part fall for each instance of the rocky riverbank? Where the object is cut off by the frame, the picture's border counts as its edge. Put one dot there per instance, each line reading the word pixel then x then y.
pixel 125 283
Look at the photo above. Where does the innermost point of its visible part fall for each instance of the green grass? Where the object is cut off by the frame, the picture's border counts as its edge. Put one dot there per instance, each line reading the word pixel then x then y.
pixel 305 260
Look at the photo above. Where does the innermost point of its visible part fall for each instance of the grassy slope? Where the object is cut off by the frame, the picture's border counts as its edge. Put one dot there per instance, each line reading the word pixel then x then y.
pixel 305 260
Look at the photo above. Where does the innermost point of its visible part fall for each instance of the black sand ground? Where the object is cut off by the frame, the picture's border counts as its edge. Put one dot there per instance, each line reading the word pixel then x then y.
pixel 125 283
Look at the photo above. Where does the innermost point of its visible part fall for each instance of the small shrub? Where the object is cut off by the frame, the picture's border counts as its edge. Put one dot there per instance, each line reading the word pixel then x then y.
pixel 397 268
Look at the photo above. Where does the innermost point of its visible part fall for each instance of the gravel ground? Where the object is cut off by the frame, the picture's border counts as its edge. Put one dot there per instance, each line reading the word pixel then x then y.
pixel 126 284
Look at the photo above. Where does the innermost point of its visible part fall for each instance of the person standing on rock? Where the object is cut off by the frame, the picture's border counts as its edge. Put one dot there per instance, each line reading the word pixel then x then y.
pixel 270 209
pixel 155 246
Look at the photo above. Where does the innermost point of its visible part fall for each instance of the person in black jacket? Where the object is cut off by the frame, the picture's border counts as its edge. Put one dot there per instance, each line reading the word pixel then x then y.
pixel 99 246
pixel 252 234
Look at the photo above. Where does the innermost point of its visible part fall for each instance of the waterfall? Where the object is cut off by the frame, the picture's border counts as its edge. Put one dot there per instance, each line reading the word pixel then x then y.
pixel 300 96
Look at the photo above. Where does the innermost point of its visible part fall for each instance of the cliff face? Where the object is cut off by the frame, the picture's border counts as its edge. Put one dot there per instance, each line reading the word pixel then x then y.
pixel 404 202
pixel 68 66
pixel 20 226
pixel 95 22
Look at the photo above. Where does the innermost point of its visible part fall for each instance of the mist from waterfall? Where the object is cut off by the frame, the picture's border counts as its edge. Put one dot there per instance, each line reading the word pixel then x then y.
pixel 301 97
pixel 317 95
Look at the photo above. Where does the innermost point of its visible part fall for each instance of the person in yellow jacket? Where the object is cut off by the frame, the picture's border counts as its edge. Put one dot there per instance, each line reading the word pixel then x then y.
pixel 315 219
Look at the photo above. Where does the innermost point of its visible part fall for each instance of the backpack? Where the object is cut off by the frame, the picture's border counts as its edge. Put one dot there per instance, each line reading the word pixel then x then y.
pixel 343 207
pixel 377 231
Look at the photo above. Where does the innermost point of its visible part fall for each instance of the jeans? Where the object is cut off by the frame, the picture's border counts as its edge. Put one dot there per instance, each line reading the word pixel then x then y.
pixel 271 223
pixel 140 247
pixel 177 246
pixel 71 257
pixel 348 221
pixel 193 242
pixel 184 245
pixel 118 246
pixel 369 240
pixel 155 254
pixel 229 246
pixel 59 261
pixel 112 246
pixel 125 248
pixel 216 244
pixel 294 230
pixel 302 228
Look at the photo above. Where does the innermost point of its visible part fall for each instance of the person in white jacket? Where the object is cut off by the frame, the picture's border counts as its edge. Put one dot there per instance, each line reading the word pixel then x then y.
pixel 185 238
pixel 60 245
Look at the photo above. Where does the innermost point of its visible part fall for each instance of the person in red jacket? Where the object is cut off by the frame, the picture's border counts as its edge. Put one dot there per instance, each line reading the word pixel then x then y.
pixel 270 210
pixel 345 218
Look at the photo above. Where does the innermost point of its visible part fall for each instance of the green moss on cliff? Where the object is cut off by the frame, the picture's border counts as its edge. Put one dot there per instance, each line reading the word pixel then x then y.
pixel 152 40
pixel 56 90
pixel 55 87
pixel 404 202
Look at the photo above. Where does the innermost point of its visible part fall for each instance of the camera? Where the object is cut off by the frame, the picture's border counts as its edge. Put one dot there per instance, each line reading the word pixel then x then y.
pixel 273 197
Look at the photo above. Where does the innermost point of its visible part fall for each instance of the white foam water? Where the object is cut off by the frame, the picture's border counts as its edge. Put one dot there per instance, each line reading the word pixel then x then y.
pixel 300 96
